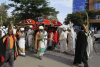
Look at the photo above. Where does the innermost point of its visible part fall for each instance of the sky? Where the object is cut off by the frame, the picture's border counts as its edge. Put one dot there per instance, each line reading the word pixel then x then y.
pixel 63 6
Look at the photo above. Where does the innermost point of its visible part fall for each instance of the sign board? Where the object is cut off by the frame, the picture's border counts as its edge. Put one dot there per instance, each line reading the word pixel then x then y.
pixel 40 19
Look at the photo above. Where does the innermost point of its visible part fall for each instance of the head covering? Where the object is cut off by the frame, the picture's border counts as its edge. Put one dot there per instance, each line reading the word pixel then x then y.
pixel 21 29
pixel 64 29
pixel 31 26
pixel 41 27
pixel 3 26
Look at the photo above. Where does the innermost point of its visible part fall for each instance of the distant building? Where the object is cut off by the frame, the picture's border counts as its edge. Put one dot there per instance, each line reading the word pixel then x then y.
pixel 80 5
pixel 88 5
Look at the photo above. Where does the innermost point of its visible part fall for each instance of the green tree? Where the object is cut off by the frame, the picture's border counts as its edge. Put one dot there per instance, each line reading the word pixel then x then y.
pixel 3 13
pixel 31 9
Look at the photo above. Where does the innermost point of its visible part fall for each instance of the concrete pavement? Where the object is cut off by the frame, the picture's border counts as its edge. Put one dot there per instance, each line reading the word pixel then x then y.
pixel 54 59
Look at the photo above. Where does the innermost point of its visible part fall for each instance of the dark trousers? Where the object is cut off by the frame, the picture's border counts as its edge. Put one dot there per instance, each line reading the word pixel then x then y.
pixel 10 56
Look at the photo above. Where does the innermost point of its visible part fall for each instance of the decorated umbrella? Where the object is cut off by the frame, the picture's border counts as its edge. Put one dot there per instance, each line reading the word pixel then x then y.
pixel 44 21
pixel 21 23
pixel 30 21
pixel 56 23
pixel 25 23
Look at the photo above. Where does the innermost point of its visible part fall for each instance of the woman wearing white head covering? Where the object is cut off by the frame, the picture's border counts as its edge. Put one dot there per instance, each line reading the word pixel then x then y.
pixel 21 42
pixel 30 36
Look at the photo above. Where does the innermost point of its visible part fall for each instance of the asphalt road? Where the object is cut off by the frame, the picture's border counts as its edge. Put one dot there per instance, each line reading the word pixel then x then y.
pixel 54 59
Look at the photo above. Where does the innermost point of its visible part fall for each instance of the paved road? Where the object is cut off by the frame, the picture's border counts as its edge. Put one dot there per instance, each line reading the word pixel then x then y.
pixel 54 59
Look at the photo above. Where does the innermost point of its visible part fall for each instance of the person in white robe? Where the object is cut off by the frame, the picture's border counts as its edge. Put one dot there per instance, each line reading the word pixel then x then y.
pixel 40 42
pixel 3 32
pixel 71 43
pixel 62 40
pixel 73 36
pixel 45 37
pixel 21 42
pixel 90 44
pixel 30 36
pixel 15 30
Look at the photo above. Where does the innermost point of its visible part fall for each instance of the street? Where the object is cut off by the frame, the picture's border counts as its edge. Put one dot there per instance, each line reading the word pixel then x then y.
pixel 54 59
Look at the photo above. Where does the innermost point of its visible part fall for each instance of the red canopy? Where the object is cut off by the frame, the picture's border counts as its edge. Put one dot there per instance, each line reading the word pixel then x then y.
pixel 46 22
pixel 56 23
pixel 30 21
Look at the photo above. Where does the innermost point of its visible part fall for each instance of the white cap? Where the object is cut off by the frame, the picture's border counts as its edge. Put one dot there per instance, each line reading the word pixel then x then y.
pixel 31 26
pixel 22 29
pixel 41 27
pixel 3 26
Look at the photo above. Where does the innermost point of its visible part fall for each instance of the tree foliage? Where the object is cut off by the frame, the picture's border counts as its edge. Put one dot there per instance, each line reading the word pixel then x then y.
pixel 78 18
pixel 3 13
pixel 31 9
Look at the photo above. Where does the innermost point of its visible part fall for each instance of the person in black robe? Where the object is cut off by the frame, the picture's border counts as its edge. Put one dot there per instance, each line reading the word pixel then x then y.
pixel 80 49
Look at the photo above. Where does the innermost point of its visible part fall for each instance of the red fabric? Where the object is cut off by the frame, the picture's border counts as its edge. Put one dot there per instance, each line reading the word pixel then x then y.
pixel 58 23
pixel 2 58
pixel 16 54
pixel 56 37
pixel 31 21
pixel 17 32
pixel 46 22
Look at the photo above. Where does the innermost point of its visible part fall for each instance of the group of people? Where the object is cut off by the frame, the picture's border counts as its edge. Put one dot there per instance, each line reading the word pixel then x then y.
pixel 42 39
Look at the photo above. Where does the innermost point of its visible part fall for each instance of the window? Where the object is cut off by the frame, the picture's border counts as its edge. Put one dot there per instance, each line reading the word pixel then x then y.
pixel 96 5
pixel 98 17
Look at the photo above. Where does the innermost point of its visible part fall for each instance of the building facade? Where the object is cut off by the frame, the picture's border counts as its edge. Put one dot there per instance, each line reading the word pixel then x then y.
pixel 88 5
pixel 80 5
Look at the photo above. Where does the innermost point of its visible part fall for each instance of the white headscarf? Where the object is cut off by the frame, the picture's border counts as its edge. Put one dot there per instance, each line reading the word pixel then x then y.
pixel 41 27
pixel 22 29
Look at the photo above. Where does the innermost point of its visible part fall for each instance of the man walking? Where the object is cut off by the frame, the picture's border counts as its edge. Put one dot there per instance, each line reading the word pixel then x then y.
pixel 80 49
pixel 39 42
pixel 7 47
pixel 62 40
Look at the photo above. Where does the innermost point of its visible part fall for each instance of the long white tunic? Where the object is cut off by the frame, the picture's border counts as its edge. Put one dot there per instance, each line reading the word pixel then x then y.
pixel 73 34
pixel 45 36
pixel 3 32
pixel 21 44
pixel 63 42
pixel 90 45
pixel 29 37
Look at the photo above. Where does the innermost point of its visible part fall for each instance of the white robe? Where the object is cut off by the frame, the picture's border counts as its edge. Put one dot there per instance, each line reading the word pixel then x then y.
pixel 29 37
pixel 73 37
pixel 3 32
pixel 45 36
pixel 21 44
pixel 90 45
pixel 15 31
pixel 63 42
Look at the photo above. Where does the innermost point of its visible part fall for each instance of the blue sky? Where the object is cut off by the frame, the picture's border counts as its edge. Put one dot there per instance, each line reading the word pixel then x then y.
pixel 63 6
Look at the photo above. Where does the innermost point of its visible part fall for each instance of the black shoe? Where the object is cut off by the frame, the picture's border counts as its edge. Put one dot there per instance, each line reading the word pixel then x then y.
pixel 24 56
pixel 40 58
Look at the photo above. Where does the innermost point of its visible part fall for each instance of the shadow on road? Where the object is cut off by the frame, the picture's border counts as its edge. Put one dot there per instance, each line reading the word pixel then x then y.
pixel 29 53
pixel 60 59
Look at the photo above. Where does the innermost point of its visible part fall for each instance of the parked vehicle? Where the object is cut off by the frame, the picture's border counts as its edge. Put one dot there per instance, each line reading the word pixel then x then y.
pixel 97 35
